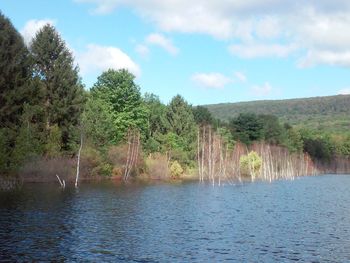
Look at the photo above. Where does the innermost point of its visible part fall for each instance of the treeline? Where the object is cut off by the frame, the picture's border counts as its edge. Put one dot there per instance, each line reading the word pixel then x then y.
pixel 328 114
pixel 41 97
pixel 46 114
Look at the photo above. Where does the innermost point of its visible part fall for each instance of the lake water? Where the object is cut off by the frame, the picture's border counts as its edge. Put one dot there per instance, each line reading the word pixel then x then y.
pixel 305 220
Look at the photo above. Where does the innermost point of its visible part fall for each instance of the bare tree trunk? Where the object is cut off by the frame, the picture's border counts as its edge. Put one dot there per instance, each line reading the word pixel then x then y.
pixel 62 183
pixel 198 155
pixel 78 163
pixel 134 152
pixel 203 153
pixel 127 157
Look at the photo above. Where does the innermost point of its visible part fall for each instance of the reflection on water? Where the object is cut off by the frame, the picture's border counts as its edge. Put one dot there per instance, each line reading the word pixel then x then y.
pixel 305 220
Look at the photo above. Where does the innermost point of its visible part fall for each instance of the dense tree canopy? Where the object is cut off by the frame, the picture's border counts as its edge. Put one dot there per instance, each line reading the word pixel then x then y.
pixel 44 107
pixel 202 115
pixel 15 73
pixel 247 127
pixel 180 116
pixel 122 96
pixel 63 91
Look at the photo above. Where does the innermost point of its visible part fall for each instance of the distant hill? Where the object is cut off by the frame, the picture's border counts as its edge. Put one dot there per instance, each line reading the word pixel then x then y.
pixel 331 113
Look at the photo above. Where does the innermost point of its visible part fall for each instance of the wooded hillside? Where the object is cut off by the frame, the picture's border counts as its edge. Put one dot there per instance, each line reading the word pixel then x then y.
pixel 330 113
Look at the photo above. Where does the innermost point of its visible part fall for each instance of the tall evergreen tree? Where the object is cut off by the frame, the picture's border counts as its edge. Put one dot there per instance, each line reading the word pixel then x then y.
pixel 14 75
pixel 180 117
pixel 158 123
pixel 63 91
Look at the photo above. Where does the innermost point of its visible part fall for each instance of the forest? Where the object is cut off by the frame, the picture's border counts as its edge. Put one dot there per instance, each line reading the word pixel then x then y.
pixel 49 120
pixel 328 114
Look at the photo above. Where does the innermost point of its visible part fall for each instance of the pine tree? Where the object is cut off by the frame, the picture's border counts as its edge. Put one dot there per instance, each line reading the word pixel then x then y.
pixel 14 75
pixel 63 91
pixel 180 117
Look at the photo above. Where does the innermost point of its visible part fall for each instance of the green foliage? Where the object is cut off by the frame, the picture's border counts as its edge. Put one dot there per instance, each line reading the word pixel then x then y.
pixel 122 96
pixel 180 117
pixel 247 127
pixel 176 170
pixel 153 144
pixel 53 143
pixel 202 115
pixel 63 91
pixel 329 114
pixel 104 169
pixel 4 151
pixel 158 122
pixel 28 143
pixel 343 146
pixel 95 162
pixel 98 122
pixel 250 165
pixel 226 136
pixel 15 74
pixel 272 130
pixel 319 146
pixel 293 140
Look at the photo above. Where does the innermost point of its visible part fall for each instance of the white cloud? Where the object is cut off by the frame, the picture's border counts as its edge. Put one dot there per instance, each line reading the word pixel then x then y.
pixel 334 58
pixel 262 90
pixel 261 50
pixel 268 27
pixel 345 91
pixel 143 50
pixel 163 42
pixel 103 6
pixel 211 80
pixel 314 26
pixel 240 76
pixel 101 58
pixel 32 27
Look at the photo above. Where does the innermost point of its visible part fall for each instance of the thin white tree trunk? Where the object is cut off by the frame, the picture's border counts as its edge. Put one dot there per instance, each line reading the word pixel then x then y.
pixel 78 163
pixel 198 157
pixel 203 153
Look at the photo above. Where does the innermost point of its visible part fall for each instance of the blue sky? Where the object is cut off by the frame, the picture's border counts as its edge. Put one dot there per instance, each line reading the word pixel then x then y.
pixel 209 51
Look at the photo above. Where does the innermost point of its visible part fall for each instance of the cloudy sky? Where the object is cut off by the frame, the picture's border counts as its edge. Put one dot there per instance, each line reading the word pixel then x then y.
pixel 209 51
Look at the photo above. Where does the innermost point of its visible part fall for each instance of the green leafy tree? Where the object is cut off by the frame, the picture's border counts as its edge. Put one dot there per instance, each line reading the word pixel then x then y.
pixel 272 130
pixel 98 122
pixel 319 146
pixel 182 127
pixel 29 142
pixel 202 115
pixel 53 144
pixel 247 127
pixel 293 140
pixel 158 123
pixel 180 117
pixel 62 88
pixel 118 89
pixel 250 164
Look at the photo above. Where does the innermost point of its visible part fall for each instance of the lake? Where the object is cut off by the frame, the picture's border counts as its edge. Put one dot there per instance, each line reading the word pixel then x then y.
pixel 305 220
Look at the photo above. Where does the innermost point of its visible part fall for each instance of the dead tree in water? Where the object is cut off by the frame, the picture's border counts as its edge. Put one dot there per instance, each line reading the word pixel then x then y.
pixel 133 152
pixel 212 156
pixel 78 162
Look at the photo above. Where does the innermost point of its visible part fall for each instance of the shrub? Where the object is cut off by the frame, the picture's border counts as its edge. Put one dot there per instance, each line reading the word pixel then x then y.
pixel 176 169
pixel 250 165
pixel 157 166
pixel 118 155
